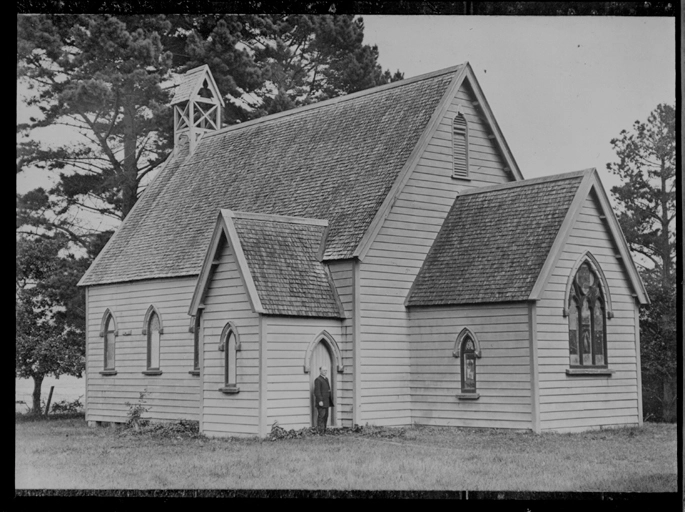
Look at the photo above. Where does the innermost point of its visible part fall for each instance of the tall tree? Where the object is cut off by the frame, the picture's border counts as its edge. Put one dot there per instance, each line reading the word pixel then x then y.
pixel 647 215
pixel 101 76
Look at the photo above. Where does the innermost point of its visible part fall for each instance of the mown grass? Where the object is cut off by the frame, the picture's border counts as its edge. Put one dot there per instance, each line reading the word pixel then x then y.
pixel 65 453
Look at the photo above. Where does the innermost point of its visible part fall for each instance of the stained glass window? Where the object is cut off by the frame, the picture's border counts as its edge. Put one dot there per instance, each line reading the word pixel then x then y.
pixel 586 320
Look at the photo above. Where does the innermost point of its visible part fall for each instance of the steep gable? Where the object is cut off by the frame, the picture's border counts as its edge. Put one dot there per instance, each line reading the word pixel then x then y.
pixel 279 261
pixel 336 160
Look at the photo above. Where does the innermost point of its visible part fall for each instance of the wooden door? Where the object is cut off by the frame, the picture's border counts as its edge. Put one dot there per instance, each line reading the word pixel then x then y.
pixel 321 357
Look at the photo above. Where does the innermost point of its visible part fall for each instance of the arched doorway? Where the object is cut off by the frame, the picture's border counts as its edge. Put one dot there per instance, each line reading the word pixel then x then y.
pixel 321 356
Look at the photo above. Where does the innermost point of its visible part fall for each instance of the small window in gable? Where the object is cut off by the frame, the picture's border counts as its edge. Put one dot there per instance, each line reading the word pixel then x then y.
pixel 231 346
pixel 460 147
pixel 586 320
pixel 153 342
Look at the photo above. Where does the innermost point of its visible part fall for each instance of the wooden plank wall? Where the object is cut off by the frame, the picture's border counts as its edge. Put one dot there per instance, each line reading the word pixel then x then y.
pixel 503 371
pixel 172 395
pixel 288 396
pixel 342 272
pixel 396 255
pixel 577 403
pixel 227 300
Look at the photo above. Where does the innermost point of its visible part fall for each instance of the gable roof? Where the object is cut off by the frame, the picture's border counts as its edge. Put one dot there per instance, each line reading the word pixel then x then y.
pixel 279 261
pixel 335 160
pixel 494 243
pixel 499 243
pixel 191 82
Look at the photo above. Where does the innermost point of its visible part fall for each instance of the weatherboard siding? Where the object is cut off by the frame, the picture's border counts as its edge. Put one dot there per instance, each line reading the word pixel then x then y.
pixel 342 273
pixel 502 371
pixel 397 253
pixel 173 395
pixel 226 300
pixel 288 390
pixel 576 403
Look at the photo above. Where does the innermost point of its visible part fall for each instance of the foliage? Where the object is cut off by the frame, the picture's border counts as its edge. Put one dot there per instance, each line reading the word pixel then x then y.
pixel 101 76
pixel 49 316
pixel 182 429
pixel 647 196
pixel 67 406
pixel 647 215
pixel 278 433
pixel 271 63
pixel 136 411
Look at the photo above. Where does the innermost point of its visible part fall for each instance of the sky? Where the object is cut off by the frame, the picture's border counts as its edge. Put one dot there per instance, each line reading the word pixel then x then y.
pixel 560 87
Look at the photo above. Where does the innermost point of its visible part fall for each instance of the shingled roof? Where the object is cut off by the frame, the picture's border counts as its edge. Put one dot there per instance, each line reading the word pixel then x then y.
pixel 335 160
pixel 279 260
pixel 494 242
pixel 282 257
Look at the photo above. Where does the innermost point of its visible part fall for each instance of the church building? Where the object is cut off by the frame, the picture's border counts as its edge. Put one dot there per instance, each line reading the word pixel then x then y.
pixel 387 234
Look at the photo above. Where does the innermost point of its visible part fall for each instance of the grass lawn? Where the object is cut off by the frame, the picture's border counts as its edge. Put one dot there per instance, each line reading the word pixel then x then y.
pixel 66 454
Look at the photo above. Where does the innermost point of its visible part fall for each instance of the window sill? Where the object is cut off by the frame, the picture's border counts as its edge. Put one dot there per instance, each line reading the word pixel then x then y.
pixel 468 396
pixel 599 372
pixel 230 390
pixel 462 178
pixel 108 372
pixel 196 373
pixel 152 372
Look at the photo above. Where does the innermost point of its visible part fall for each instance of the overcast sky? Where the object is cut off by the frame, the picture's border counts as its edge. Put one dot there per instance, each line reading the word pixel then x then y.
pixel 560 87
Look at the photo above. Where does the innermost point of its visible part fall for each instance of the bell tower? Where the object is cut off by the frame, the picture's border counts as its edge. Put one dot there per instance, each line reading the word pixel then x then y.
pixel 197 106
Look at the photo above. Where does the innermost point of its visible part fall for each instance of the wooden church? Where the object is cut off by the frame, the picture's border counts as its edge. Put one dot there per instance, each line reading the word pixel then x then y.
pixel 388 234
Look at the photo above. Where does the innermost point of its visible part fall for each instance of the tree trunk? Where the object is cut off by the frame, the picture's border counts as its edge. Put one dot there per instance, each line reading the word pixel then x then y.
pixel 37 383
pixel 668 404
pixel 129 187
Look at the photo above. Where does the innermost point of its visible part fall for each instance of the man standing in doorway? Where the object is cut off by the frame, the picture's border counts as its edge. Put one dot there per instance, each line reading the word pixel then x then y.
pixel 324 399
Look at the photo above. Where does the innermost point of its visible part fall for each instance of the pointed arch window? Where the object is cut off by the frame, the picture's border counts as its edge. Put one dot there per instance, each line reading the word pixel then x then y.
pixel 153 342
pixel 587 320
pixel 460 147
pixel 108 331
pixel 230 344
pixel 467 350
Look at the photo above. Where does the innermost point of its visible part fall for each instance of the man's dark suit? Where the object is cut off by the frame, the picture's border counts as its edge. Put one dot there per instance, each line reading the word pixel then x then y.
pixel 322 393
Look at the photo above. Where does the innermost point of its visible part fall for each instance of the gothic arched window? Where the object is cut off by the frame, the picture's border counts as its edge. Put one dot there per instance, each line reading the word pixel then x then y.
pixel 468 366
pixel 587 320
pixel 230 344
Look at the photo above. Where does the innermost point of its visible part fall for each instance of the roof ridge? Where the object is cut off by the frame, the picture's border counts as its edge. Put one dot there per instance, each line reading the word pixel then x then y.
pixel 287 219
pixel 338 99
pixel 523 183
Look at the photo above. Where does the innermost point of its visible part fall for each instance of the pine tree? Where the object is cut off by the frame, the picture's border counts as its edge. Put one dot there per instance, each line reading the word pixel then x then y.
pixel 647 215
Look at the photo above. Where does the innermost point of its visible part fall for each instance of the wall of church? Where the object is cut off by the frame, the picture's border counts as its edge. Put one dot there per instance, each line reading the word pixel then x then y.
pixel 227 301
pixel 396 255
pixel 288 394
pixel 503 377
pixel 174 394
pixel 570 403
